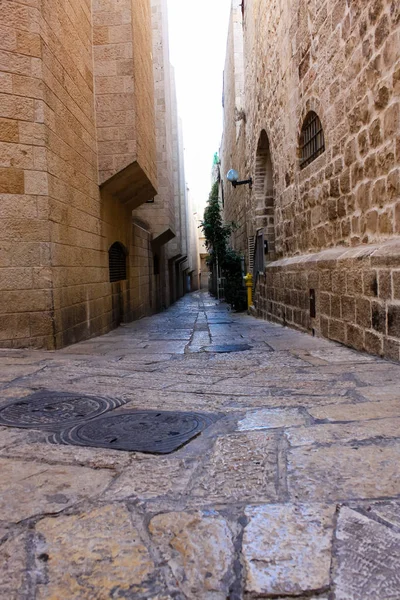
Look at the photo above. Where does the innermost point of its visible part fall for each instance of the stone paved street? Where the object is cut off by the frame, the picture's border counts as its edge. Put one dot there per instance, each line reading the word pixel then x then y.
pixel 292 491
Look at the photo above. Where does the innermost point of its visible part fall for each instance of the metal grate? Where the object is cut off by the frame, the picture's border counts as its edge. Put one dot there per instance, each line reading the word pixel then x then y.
pixel 117 262
pixel 137 431
pixel 227 348
pixel 251 248
pixel 312 141
pixel 54 410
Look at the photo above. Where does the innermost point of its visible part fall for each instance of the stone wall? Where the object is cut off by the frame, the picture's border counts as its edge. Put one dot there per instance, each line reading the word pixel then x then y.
pixel 233 151
pixel 160 214
pixel 76 110
pixel 356 291
pixel 25 290
pixel 341 60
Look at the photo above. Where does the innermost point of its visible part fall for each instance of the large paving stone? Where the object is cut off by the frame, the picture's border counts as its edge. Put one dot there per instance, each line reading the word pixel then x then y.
pixel 387 511
pixel 284 400
pixel 338 354
pixel 14 583
pixel 335 473
pixel 287 549
pixel 344 432
pixel 383 392
pixel 152 477
pixel 356 412
pixel 10 436
pixel 30 488
pixel 95 458
pixel 271 418
pixel 199 550
pixel 11 372
pixel 367 565
pixel 95 555
pixel 242 467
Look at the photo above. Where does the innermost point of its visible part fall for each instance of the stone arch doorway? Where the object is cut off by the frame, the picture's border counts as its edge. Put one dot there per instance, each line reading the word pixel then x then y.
pixel 265 197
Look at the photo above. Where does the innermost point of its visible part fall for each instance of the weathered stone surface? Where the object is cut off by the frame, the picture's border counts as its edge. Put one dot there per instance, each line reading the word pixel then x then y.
pixel 383 392
pixel 241 467
pixel 287 549
pixel 270 419
pixel 26 445
pixel 367 558
pixel 282 399
pixel 98 554
pixel 152 477
pixel 388 511
pixel 14 583
pixel 356 412
pixel 344 432
pixel 10 437
pixel 29 488
pixel 336 473
pixel 199 550
pixel 194 500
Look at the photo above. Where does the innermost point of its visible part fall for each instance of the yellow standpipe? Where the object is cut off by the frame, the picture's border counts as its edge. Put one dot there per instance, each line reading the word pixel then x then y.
pixel 249 284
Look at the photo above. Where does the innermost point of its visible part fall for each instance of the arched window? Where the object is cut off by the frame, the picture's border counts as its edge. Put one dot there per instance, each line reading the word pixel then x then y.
pixel 117 262
pixel 264 199
pixel 312 141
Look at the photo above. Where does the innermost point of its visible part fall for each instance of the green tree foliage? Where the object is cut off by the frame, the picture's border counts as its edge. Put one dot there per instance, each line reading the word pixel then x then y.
pixel 215 231
pixel 217 234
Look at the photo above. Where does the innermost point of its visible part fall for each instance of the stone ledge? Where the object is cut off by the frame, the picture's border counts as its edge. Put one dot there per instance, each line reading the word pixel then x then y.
pixel 387 253
pixel 130 186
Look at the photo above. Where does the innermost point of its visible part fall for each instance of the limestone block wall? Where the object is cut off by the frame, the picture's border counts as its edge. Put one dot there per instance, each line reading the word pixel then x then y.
pixel 25 278
pixel 124 86
pixel 55 225
pixel 356 290
pixel 232 152
pixel 141 272
pixel 341 60
pixel 161 215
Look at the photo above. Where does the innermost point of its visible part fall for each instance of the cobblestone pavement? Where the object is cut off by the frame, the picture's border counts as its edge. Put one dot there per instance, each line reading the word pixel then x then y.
pixel 292 491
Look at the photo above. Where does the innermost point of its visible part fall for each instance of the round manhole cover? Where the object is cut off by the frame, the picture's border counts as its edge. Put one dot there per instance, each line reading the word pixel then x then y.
pixel 228 348
pixel 137 431
pixel 53 410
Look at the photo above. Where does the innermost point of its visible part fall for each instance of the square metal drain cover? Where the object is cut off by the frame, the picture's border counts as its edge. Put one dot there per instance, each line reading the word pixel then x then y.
pixel 54 410
pixel 228 348
pixel 137 431
pixel 219 322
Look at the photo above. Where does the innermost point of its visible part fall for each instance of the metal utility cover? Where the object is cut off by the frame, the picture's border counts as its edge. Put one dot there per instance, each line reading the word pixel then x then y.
pixel 137 431
pixel 54 410
pixel 228 348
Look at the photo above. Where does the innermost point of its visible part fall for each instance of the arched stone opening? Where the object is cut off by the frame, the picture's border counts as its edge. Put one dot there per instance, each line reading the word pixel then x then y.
pixel 265 197
pixel 117 259
pixel 118 274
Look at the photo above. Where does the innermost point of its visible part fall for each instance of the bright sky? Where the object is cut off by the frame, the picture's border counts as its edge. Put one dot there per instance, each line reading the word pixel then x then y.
pixel 198 34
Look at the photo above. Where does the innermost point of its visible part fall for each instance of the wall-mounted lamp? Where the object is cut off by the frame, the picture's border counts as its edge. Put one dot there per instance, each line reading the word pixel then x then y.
pixel 233 177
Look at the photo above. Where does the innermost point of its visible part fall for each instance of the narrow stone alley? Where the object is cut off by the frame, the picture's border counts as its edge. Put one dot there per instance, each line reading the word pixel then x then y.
pixel 292 487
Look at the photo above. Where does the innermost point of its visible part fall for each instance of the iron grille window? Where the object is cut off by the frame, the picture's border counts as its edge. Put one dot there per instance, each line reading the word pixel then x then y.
pixel 312 141
pixel 117 262
pixel 251 244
